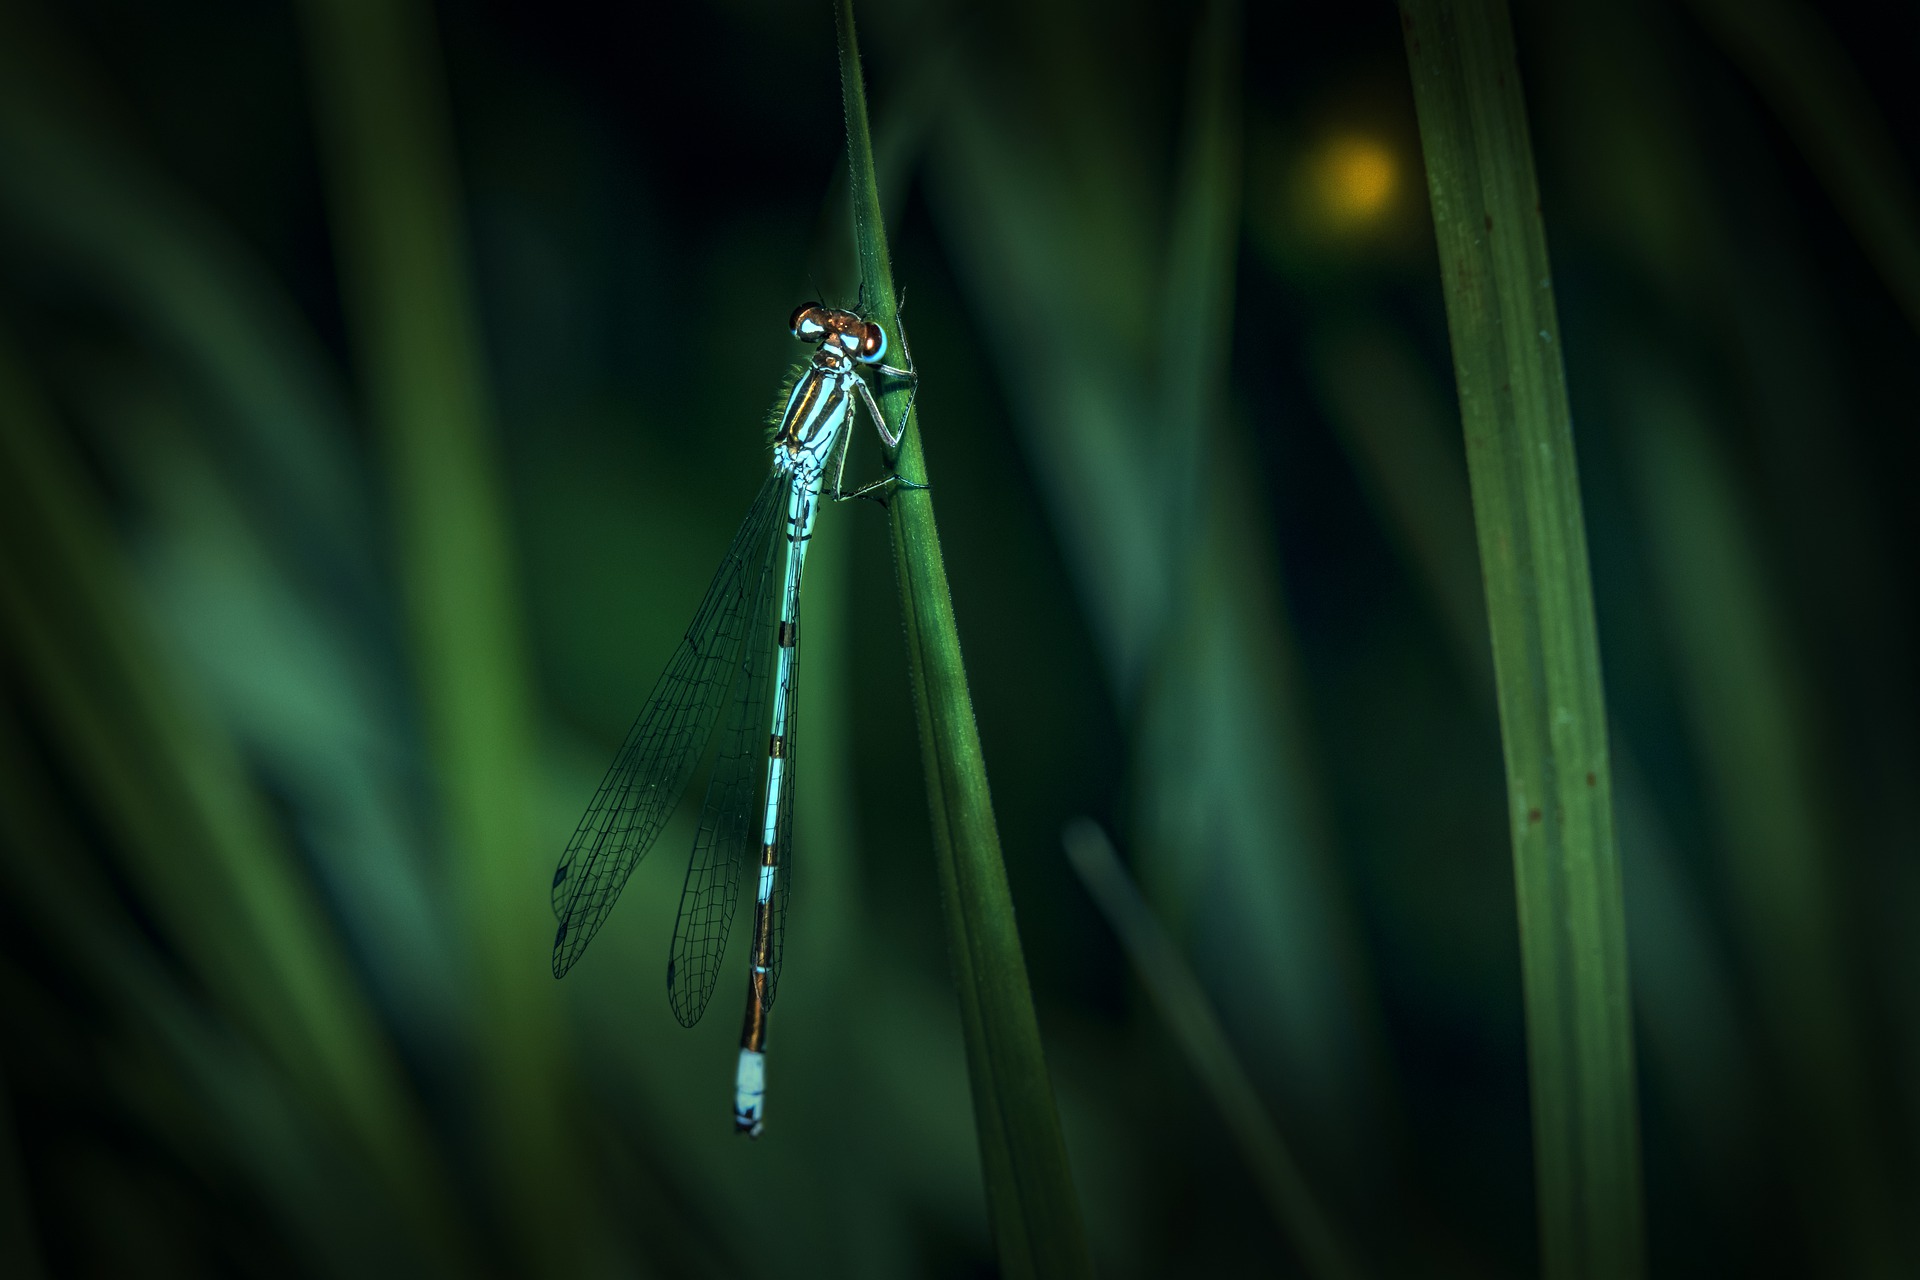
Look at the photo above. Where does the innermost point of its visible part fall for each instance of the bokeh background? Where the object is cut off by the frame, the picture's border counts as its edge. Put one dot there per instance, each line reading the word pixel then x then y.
pixel 275 835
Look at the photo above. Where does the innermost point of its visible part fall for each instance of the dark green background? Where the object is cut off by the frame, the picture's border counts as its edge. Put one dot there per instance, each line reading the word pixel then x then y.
pixel 647 193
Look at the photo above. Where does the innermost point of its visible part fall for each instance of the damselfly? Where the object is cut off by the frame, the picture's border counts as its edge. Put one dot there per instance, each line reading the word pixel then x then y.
pixel 746 639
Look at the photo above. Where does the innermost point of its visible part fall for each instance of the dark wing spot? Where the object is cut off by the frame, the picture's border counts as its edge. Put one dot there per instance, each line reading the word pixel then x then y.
pixel 559 874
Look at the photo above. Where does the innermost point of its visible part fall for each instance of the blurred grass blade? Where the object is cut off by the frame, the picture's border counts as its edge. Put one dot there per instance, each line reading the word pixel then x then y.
pixel 1184 1006
pixel 1030 1194
pixel 297 682
pixel 19 1242
pixel 218 1090
pixel 1804 74
pixel 1391 416
pixel 1393 420
pixel 107 221
pixel 173 795
pixel 1815 613
pixel 1749 713
pixel 1050 218
pixel 401 246
pixel 1526 498
pixel 1202 249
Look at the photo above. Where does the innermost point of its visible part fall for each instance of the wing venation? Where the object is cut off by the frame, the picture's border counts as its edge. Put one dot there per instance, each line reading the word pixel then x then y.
pixel 654 765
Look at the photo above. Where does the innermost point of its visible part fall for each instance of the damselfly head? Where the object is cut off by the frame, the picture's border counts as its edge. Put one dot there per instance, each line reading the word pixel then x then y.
pixel 859 338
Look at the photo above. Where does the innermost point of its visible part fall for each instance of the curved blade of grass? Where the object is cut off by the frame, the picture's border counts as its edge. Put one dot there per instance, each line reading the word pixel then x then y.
pixel 1526 501
pixel 259 564
pixel 1711 248
pixel 397 222
pixel 19 1242
pixel 1391 417
pixel 1184 1006
pixel 1202 248
pixel 1030 1194
pixel 218 1085
pixel 1049 217
pixel 115 226
pixel 1749 709
pixel 1226 805
pixel 172 794
pixel 1804 75
pixel 1393 421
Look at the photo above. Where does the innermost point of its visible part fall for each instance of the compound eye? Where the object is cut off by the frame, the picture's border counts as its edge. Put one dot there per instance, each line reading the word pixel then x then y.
pixel 809 322
pixel 873 343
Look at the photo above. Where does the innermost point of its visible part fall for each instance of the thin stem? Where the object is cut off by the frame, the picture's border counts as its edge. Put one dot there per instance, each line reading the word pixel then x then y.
pixel 398 224
pixel 1189 1014
pixel 1030 1195
pixel 1804 75
pixel 1546 654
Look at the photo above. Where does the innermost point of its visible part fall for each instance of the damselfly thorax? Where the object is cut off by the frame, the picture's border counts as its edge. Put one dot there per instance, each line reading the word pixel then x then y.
pixel 821 399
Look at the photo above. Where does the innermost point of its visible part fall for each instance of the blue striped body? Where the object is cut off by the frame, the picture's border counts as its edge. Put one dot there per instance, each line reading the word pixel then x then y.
pixel 816 413
pixel 723 663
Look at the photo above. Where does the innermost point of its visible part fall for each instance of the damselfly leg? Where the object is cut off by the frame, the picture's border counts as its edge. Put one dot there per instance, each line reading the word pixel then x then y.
pixel 879 489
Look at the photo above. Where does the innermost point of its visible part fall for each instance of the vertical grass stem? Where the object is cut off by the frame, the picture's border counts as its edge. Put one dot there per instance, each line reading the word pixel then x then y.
pixel 1526 501
pixel 401 236
pixel 1030 1194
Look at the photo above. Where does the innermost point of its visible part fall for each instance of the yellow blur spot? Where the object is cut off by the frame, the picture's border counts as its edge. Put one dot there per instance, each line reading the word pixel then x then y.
pixel 1355 179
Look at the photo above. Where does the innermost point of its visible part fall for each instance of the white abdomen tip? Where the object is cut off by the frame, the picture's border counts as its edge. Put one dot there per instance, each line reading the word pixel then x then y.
pixel 749 1091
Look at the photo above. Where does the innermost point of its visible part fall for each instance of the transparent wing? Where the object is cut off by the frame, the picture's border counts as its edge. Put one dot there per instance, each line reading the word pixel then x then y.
pixel 657 760
pixel 733 815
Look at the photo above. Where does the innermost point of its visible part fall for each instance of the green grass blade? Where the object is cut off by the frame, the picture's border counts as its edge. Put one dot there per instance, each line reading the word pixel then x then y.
pixel 218 1086
pixel 1707 239
pixel 1030 1193
pixel 1189 1014
pixel 1202 246
pixel 1750 711
pixel 1526 500
pixel 1394 420
pixel 19 1242
pixel 398 225
pixel 106 217
pixel 1391 417
pixel 1804 74
pixel 171 792
pixel 1049 218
